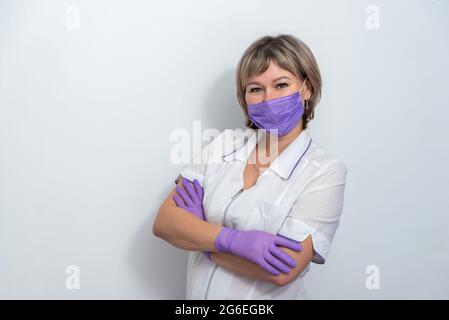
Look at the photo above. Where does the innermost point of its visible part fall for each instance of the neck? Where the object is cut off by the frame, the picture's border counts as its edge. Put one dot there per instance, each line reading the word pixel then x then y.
pixel 265 156
pixel 285 140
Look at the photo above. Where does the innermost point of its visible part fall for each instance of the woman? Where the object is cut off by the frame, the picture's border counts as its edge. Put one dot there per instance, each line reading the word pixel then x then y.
pixel 260 216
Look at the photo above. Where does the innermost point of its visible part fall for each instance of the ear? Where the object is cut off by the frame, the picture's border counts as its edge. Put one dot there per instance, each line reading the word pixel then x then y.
pixel 307 92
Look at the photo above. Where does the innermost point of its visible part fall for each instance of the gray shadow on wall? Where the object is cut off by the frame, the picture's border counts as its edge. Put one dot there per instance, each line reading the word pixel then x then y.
pixel 220 110
pixel 169 264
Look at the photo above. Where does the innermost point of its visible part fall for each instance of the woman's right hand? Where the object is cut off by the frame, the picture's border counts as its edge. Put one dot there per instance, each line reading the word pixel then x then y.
pixel 259 247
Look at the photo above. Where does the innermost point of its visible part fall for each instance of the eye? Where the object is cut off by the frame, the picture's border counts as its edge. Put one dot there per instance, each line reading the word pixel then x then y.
pixel 283 84
pixel 254 89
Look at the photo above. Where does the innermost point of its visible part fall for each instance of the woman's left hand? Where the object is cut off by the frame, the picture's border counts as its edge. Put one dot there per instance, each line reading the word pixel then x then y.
pixel 192 200
pixel 192 197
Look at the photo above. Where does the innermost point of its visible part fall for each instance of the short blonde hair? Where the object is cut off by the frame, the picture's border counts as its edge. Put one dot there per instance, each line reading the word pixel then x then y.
pixel 289 53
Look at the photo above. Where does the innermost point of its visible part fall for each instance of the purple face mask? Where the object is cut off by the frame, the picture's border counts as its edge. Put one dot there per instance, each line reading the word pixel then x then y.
pixel 281 113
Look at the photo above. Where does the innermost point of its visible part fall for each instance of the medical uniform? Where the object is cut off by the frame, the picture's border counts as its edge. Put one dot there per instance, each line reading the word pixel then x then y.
pixel 300 194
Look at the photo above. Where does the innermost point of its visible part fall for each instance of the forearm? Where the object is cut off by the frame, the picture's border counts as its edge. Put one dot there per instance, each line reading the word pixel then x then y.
pixel 251 270
pixel 183 230
pixel 242 267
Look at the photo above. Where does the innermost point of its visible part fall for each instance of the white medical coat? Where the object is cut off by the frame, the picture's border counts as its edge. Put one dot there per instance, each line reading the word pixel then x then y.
pixel 300 194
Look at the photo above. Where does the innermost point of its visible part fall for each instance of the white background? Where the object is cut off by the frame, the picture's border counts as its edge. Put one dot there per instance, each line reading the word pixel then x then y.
pixel 91 90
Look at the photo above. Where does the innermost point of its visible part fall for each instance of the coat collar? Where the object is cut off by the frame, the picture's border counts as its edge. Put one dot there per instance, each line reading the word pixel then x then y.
pixel 285 163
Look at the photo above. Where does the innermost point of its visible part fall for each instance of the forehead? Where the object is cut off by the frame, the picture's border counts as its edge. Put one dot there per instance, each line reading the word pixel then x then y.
pixel 273 71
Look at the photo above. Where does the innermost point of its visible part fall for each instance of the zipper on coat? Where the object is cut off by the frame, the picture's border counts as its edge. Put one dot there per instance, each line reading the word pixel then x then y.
pixel 224 217
pixel 235 196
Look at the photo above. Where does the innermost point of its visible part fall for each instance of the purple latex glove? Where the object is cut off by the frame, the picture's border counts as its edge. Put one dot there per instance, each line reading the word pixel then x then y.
pixel 192 200
pixel 259 247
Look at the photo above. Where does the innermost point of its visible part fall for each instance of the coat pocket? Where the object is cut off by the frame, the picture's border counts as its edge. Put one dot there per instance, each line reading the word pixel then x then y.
pixel 267 217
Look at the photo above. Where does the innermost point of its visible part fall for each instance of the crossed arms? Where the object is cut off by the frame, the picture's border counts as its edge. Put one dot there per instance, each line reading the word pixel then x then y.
pixel 185 231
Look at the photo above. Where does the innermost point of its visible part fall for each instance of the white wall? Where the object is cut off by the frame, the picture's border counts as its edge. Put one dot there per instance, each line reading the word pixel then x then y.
pixel 91 90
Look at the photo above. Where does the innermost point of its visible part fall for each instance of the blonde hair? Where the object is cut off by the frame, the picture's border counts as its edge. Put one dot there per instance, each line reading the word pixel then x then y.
pixel 289 53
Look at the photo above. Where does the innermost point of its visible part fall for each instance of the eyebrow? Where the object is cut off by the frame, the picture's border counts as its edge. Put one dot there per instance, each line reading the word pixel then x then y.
pixel 255 82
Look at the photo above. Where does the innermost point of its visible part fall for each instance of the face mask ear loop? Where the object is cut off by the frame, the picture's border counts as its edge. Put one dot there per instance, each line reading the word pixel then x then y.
pixel 305 101
pixel 303 83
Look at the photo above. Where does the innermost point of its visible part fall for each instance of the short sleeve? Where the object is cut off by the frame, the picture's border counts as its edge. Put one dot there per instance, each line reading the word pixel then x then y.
pixel 317 210
pixel 210 154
